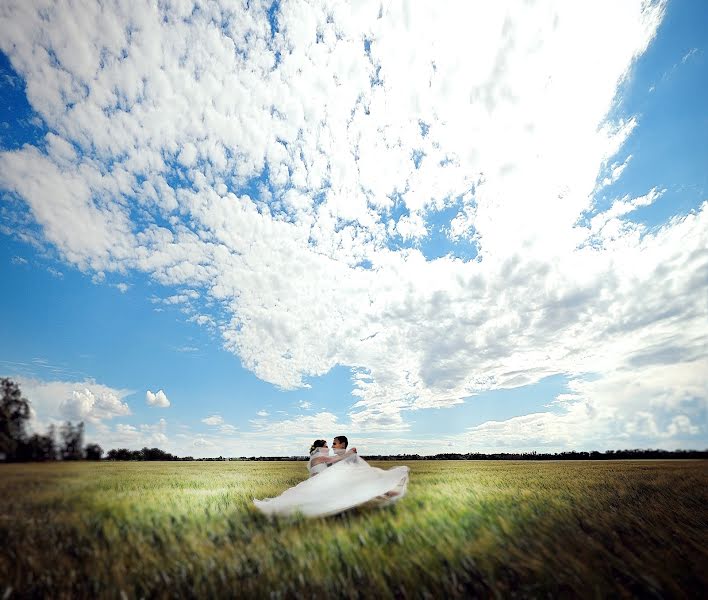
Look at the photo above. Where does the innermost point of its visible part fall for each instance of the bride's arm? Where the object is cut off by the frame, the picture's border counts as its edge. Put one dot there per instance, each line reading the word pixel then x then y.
pixel 332 459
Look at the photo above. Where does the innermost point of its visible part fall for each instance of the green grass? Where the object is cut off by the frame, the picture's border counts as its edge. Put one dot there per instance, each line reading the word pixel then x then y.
pixel 530 529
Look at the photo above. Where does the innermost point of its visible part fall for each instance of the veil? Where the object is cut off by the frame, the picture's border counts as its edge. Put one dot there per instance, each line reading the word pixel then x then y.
pixel 345 484
pixel 313 467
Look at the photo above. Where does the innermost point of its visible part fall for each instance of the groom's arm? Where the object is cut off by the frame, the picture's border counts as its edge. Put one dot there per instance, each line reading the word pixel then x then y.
pixel 336 459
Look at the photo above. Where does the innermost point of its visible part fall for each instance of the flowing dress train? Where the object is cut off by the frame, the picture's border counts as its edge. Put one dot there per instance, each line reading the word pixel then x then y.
pixel 346 484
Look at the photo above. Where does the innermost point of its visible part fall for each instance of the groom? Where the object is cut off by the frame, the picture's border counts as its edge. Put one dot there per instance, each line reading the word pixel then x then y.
pixel 340 443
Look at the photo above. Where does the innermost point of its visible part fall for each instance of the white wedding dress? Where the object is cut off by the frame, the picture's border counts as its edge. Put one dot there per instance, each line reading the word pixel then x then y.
pixel 343 485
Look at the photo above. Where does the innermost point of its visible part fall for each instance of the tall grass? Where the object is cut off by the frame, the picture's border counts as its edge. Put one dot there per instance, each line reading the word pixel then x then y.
pixel 184 530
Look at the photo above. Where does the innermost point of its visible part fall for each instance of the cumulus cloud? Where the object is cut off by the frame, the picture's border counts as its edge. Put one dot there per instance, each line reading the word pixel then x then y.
pixel 85 405
pixel 645 404
pixel 289 175
pixel 157 399
pixel 55 401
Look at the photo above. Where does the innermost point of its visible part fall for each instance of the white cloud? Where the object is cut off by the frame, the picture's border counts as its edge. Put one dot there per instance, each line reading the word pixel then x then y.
pixel 181 298
pixel 213 420
pixel 124 435
pixel 188 155
pixel 689 54
pixel 368 124
pixel 293 436
pixel 226 428
pixel 646 404
pixel 311 425
pixel 85 405
pixel 262 413
pixel 615 170
pixel 681 426
pixel 620 208
pixel 202 320
pixel 157 399
pixel 86 234
pixel 56 401
pixel 187 349
pixel 201 442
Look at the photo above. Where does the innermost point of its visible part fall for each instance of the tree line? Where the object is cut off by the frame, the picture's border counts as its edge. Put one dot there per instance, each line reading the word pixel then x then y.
pixel 157 454
pixel 66 443
pixel 144 454
pixel 570 455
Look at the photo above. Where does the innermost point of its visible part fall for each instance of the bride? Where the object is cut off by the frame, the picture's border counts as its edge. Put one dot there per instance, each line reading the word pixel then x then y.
pixel 336 484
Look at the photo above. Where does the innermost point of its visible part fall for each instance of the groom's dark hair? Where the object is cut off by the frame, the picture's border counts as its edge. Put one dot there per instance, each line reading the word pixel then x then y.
pixel 343 439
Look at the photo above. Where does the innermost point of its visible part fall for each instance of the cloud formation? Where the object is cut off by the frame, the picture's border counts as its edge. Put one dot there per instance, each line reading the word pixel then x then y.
pixel 290 170
pixel 123 435
pixel 56 401
pixel 157 399
pixel 213 420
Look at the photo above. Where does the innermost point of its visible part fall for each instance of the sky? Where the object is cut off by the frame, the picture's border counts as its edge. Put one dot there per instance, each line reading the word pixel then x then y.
pixel 230 228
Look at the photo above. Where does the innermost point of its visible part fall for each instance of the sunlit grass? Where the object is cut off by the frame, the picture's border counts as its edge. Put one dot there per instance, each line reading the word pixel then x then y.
pixel 486 528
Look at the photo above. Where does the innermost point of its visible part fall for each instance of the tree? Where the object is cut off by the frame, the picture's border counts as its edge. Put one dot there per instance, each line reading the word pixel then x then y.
pixel 120 454
pixel 144 454
pixel 72 441
pixel 93 452
pixel 14 414
pixel 38 448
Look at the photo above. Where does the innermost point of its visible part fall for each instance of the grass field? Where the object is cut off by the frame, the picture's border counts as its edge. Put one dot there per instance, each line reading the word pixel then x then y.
pixel 528 529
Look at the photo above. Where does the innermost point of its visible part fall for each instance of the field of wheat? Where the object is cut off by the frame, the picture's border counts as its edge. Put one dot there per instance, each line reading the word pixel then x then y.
pixel 489 529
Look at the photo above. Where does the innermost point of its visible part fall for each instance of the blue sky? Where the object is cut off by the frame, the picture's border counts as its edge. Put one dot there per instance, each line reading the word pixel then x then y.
pixel 258 225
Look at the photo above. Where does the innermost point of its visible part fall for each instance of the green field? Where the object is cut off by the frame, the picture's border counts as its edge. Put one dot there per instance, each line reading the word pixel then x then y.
pixel 159 530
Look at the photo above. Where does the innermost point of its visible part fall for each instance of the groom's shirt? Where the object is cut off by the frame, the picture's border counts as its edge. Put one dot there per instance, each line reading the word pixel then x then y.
pixel 336 452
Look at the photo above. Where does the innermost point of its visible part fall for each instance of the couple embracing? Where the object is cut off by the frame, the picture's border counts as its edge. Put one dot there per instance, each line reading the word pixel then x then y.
pixel 320 457
pixel 338 481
